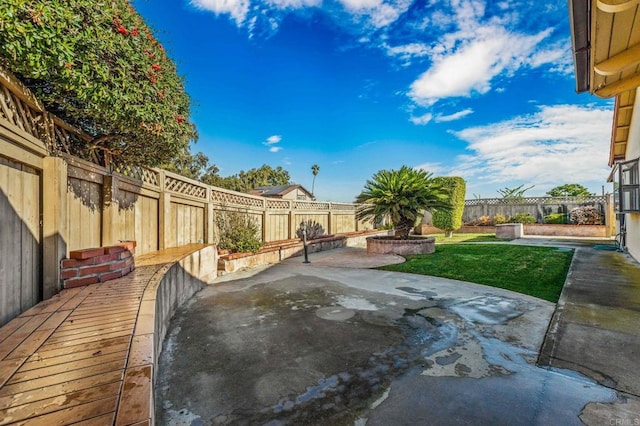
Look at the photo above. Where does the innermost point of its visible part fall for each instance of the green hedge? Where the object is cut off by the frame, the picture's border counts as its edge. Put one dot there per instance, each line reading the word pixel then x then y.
pixel 451 220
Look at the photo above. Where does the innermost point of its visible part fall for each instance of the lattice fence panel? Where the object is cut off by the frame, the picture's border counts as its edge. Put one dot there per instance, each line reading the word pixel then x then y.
pixel 139 173
pixel 20 114
pixel 185 188
pixel 309 205
pixel 278 204
pixel 535 200
pixel 343 207
pixel 235 199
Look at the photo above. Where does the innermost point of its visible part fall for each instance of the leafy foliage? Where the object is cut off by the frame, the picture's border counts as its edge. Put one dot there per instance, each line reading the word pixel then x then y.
pixel 522 218
pixel 514 194
pixel 499 219
pixel 315 169
pixel 586 215
pixel 237 232
pixel 403 195
pixel 556 218
pixel 314 230
pixel 98 66
pixel 450 220
pixel 197 166
pixel 569 190
pixel 194 166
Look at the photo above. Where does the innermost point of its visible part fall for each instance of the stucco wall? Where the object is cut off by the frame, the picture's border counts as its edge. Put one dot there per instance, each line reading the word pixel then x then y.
pixel 633 151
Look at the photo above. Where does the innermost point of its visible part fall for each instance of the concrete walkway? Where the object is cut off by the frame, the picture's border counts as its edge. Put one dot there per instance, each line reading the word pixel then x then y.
pixel 595 329
pixel 329 343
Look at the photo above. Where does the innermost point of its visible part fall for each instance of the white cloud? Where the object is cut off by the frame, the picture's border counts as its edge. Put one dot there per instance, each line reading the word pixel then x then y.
pixel 377 13
pixel 435 168
pixel 275 149
pixel 294 4
pixel 273 140
pixel 470 68
pixel 407 52
pixel 455 116
pixel 422 120
pixel 562 143
pixel 238 9
pixel 357 5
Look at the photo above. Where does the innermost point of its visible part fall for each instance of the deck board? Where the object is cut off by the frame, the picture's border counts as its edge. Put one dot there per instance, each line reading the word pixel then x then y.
pixel 67 360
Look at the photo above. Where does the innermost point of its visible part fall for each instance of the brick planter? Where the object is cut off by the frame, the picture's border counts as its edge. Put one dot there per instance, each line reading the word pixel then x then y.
pixel 389 245
pixel 97 265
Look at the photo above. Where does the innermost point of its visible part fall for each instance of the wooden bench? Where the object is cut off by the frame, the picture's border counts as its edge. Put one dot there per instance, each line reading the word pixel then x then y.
pixel 89 354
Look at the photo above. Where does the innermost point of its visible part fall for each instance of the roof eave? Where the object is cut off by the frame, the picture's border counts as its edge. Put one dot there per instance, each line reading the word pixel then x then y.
pixel 579 16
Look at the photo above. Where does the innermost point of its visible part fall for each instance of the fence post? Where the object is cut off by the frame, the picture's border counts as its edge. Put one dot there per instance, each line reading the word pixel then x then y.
pixel 110 205
pixel 609 215
pixel 292 222
pixel 265 222
pixel 331 221
pixel 164 214
pixel 55 228
pixel 209 230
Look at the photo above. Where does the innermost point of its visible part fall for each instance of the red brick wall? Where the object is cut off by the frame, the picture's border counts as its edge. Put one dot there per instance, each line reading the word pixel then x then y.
pixel 96 265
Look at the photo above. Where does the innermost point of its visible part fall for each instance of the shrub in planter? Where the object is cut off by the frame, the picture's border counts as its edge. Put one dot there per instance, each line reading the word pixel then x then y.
pixel 314 230
pixel 586 215
pixel 556 218
pixel 522 218
pixel 499 219
pixel 237 232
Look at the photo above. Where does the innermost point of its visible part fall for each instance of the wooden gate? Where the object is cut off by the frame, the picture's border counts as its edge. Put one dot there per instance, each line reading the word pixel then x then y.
pixel 20 238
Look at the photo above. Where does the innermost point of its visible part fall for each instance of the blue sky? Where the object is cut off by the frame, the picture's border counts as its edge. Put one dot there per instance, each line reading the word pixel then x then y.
pixel 482 90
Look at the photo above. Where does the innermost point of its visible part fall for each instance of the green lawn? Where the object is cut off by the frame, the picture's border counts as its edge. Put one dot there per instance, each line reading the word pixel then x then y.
pixel 536 271
pixel 468 238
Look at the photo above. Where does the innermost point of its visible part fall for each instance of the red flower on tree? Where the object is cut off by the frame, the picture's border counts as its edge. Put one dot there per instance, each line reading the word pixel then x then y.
pixel 156 67
pixel 179 119
pixel 122 30
pixel 134 32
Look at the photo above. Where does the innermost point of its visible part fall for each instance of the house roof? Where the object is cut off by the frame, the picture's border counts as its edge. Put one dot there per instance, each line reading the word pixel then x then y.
pixel 278 191
pixel 605 35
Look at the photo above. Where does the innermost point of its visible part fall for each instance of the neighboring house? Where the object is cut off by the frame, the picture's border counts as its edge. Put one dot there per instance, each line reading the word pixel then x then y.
pixel 286 192
pixel 606 45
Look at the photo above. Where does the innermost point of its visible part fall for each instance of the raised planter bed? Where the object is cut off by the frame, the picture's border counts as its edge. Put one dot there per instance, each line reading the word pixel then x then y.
pixel 390 245
pixel 558 230
pixel 275 251
pixel 541 229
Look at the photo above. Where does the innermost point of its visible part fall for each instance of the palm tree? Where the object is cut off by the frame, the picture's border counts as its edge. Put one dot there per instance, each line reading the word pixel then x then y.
pixel 314 169
pixel 402 195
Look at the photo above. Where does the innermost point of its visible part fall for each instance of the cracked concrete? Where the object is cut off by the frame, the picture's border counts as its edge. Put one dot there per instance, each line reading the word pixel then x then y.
pixel 318 344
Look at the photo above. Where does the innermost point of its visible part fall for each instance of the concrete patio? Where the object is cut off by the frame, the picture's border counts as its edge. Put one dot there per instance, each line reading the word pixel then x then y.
pixel 329 342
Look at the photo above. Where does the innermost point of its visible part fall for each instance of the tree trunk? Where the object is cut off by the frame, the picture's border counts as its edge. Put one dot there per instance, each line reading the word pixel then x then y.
pixel 403 227
pixel 448 234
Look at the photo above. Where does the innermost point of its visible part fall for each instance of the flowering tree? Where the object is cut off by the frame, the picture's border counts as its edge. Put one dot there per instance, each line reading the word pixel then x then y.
pixel 97 65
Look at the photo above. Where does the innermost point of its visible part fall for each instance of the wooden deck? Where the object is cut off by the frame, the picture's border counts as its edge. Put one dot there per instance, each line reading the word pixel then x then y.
pixel 86 355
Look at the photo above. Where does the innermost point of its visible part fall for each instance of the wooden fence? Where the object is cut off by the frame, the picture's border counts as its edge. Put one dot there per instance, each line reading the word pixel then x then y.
pixel 52 202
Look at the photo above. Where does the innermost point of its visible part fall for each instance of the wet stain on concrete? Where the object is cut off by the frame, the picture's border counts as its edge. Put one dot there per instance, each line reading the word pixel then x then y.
pixel 306 350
